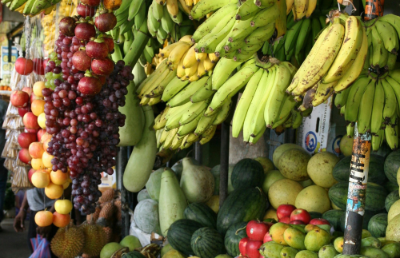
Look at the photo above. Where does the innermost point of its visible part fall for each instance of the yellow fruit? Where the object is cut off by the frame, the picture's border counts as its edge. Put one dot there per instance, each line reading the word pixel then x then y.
pixel 44 218
pixel 37 164
pixel 284 191
pixel 63 206
pixel 46 158
pixel 271 214
pixel 37 107
pixel 58 177
pixel 53 191
pixel 42 120
pixel 37 88
pixel 40 179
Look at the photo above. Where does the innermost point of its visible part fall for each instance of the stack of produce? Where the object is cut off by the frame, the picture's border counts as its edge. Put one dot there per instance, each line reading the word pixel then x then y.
pixel 372 102
pixel 334 62
pixel 130 247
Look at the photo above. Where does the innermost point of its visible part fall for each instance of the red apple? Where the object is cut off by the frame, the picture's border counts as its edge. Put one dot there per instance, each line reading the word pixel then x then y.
pixel 319 222
pixel 267 238
pixel 25 139
pixel 45 63
pixel 300 214
pixel 40 134
pixel 33 97
pixel 30 121
pixel 296 222
pixel 27 90
pixel 284 210
pixel 285 220
pixel 19 98
pixel 30 173
pixel 242 246
pixel 252 248
pixel 256 230
pixel 23 66
pixel 38 67
pixel 26 130
pixel 24 156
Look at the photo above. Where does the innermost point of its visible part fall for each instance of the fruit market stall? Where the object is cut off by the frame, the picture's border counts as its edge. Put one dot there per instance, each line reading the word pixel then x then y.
pixel 124 113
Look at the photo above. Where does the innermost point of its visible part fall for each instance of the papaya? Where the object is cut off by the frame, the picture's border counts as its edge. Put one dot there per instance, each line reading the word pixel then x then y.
pixel 288 252
pixel 315 239
pixel 338 244
pixel 294 238
pixel 271 250
pixel 276 231
pixel 373 252
pixel 392 250
pixel 370 241
pixel 306 254
pixel 327 251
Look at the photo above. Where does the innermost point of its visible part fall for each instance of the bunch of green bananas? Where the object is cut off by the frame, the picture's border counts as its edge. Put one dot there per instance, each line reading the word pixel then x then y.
pixel 237 33
pixel 298 40
pixel 305 8
pixel 335 61
pixel 30 7
pixel 264 102
pixel 372 102
pixel 383 42
pixel 171 77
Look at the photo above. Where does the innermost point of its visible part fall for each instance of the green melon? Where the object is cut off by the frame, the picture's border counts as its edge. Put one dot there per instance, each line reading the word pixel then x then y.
pixel 180 233
pixel 233 236
pixel 391 198
pixel 247 173
pixel 146 216
pixel 207 243
pixel 377 225
pixel 201 213
pixel 392 165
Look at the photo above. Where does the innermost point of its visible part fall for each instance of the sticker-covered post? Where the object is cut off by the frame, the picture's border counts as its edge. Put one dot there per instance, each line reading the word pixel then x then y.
pixel 355 207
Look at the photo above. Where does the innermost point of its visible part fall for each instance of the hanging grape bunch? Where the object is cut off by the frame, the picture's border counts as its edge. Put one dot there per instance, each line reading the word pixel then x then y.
pixel 85 89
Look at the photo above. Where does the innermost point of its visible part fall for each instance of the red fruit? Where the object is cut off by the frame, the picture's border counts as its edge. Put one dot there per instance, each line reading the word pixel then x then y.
pixel 97 50
pixel 33 97
pixel 102 79
pixel 38 66
pixel 19 98
pixel 27 90
pixel 242 245
pixel 319 222
pixel 23 66
pixel 110 43
pixel 28 130
pixel 81 60
pixel 25 139
pixel 45 63
pixel 23 110
pixel 85 31
pixel 252 248
pixel 105 22
pixel 85 10
pixel 91 2
pixel 30 121
pixel 256 230
pixel 30 173
pixel 89 85
pixel 267 238
pixel 24 156
pixel 296 222
pixel 40 133
pixel 102 66
pixel 285 220
pixel 300 214
pixel 67 26
pixel 284 210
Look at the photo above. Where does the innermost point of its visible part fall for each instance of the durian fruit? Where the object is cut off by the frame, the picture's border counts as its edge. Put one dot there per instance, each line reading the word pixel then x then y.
pixel 109 233
pixel 107 211
pixel 95 215
pixel 68 242
pixel 95 239
pixel 107 195
pixel 117 205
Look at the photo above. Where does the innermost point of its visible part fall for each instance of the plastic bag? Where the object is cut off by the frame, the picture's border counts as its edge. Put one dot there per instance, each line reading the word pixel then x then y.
pixel 41 247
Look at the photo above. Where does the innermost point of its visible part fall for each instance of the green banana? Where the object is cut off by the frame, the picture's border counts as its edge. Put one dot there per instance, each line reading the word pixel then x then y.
pixel 173 87
pixel 174 115
pixel 141 18
pixel 386 32
pixel 202 8
pixel 354 98
pixel 204 123
pixel 247 10
pixel 137 47
pixel 134 8
pixel 184 95
pixel 303 35
pixel 261 34
pixel 193 111
pixel 292 35
pixel 365 110
pixel 390 101
pixel 210 44
pixel 222 71
pixel 189 127
pixel 223 112
pixel 377 109
pixel 264 3
pixel 167 23
pixel 204 93
pixel 158 11
pixel 125 4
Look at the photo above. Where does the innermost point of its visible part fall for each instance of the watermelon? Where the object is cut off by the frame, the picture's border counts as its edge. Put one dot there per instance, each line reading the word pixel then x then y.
pixel 247 173
pixel 201 213
pixel 392 165
pixel 315 215
pixel 375 196
pixel 333 216
pixel 233 236
pixel 180 233
pixel 146 216
pixel 391 186
pixel 207 243
pixel 377 225
pixel 341 171
pixel 390 199
pixel 241 205
pixel 216 173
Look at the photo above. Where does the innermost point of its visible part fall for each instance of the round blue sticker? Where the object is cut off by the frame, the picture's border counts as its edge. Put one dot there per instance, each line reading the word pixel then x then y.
pixel 311 141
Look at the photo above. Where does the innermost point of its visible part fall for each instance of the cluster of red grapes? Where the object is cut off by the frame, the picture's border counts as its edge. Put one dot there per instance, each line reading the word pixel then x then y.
pixel 82 112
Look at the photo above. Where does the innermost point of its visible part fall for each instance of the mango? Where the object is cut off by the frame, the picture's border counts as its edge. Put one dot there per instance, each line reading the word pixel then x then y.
pixel 371 241
pixel 338 244
pixel 310 227
pixel 276 231
pixel 325 227
pixel 288 252
pixel 384 241
pixel 317 238
pixel 373 252
pixel 327 251
pixel 392 250
pixel 365 233
pixel 299 227
pixel 294 238
pixel 271 250
pixel 306 254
